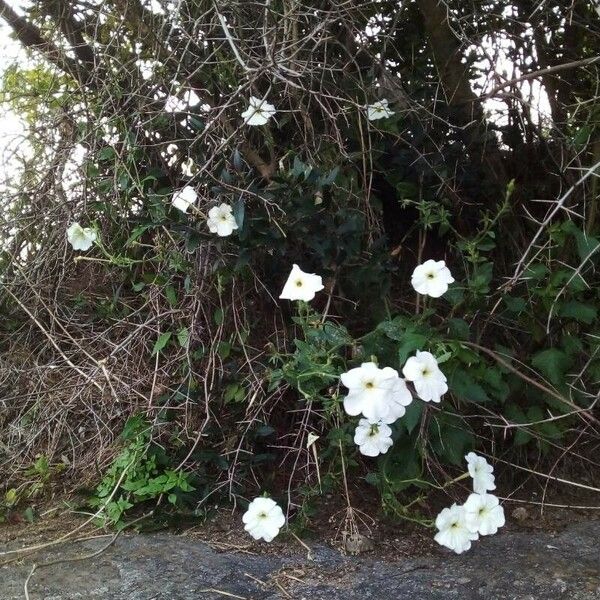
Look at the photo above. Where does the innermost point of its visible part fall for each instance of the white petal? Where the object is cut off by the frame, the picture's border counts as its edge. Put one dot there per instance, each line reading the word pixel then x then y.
pixel 375 406
pixel 412 369
pixel 353 403
pixel 431 389
pixel 353 378
pixel 369 448
pixel 400 394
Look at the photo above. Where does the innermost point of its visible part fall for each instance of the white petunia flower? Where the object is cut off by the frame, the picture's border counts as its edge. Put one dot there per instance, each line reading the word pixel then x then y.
pixel 81 238
pixel 221 220
pixel 184 198
pixel 301 285
pixel 481 472
pixel 263 519
pixel 431 278
pixel 372 392
pixel 259 112
pixel 453 530
pixel 484 514
pixel 430 383
pixel 372 439
pixel 379 110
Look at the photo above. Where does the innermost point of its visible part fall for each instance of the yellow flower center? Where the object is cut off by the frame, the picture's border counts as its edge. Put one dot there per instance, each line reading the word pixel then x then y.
pixel 299 283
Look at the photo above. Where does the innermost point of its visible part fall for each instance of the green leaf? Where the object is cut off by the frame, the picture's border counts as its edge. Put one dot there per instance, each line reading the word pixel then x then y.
pixel 401 464
pixel 584 313
pixel 224 349
pixel 535 272
pixel 413 416
pixel 218 316
pixel 134 426
pixel 516 415
pixel 372 479
pixel 514 305
pixel 482 276
pixel 183 337
pixel 450 438
pixel 459 329
pixel 161 342
pixel 465 387
pixel 138 232
pixel 196 123
pixel 234 392
pixel 498 387
pixel 553 363
pixel 107 153
pixel 171 295
pixel 11 497
pixel 411 341
pixel 28 514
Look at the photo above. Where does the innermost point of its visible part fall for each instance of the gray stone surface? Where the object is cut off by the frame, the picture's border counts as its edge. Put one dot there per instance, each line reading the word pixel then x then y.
pixel 509 566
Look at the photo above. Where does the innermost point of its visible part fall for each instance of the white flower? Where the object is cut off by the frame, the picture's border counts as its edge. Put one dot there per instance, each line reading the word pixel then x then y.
pixel 372 392
pixel 301 285
pixel 481 472
pixel 430 383
pixel 378 110
pixel 453 529
pixel 81 238
pixel 431 278
pixel 484 514
pixel 259 112
pixel 184 198
pixel 372 439
pixel 311 439
pixel 263 519
pixel 221 220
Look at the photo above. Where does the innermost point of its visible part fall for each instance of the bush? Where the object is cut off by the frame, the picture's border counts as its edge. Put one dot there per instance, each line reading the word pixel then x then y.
pixel 160 367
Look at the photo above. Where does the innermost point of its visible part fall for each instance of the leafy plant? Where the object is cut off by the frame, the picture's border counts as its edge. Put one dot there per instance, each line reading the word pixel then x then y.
pixel 139 473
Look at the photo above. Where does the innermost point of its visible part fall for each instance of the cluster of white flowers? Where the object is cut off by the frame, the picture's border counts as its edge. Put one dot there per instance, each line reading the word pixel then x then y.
pixel 220 218
pixel 378 394
pixel 381 396
pixel 481 514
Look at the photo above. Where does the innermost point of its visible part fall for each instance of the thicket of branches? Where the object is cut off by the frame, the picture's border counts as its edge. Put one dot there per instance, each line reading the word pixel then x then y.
pixel 489 162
